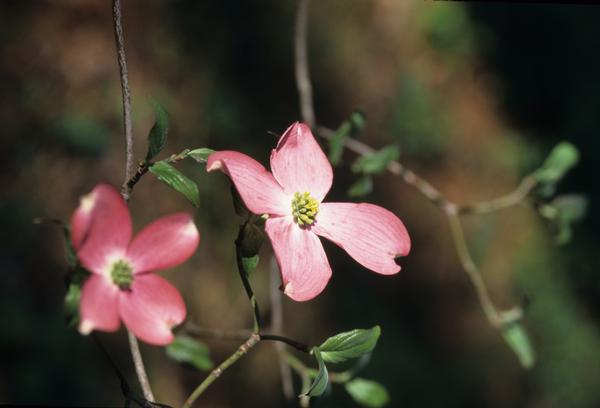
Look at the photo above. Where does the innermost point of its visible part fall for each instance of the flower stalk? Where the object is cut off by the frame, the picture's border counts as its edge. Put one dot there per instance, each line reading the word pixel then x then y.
pixel 216 373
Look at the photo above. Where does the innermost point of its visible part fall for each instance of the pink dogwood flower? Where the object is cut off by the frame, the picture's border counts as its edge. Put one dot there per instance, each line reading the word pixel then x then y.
pixel 292 197
pixel 121 285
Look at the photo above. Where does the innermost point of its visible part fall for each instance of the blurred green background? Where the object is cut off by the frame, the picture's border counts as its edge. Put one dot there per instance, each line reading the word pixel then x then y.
pixel 474 94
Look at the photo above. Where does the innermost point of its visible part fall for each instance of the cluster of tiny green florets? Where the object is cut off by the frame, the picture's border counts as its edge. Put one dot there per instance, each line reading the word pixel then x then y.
pixel 122 274
pixel 304 209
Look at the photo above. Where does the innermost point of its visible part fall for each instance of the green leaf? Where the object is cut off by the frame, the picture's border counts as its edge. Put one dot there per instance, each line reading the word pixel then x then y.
pixel 71 304
pixel 518 340
pixel 361 187
pixel 571 207
pixel 562 212
pixel 177 181
pixel 75 279
pixel 560 160
pixel 376 162
pixel 348 128
pixel 185 349
pixel 319 384
pixel 367 393
pixel 352 344
pixel 157 138
pixel 250 263
pixel 201 154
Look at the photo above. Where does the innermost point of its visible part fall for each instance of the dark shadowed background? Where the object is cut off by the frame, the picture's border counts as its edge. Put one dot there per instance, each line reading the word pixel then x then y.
pixel 475 95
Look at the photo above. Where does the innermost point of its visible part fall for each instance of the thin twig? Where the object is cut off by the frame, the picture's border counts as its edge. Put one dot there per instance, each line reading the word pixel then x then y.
pixel 139 366
pixel 141 170
pixel 144 166
pixel 513 198
pixel 301 66
pixel 464 255
pixel 125 189
pixel 432 193
pixel 127 122
pixel 287 383
pixel 450 209
pixel 216 373
pixel 254 338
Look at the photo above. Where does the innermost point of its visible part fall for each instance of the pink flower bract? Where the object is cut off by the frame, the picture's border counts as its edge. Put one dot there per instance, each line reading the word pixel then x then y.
pixel 292 197
pixel 121 285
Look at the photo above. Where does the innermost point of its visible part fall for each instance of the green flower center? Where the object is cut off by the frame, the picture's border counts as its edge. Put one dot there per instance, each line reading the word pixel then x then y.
pixel 304 209
pixel 122 274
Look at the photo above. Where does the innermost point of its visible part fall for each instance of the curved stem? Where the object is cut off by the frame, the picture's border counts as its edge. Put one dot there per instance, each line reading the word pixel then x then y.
pixel 398 169
pixel 290 342
pixel 125 189
pixel 513 198
pixel 140 370
pixel 473 272
pixel 301 67
pixel 432 193
pixel 216 373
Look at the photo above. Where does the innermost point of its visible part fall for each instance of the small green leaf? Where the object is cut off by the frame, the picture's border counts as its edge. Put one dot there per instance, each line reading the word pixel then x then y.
pixel 562 212
pixel 201 154
pixel 376 162
pixel 361 187
pixel 319 384
pixel 75 279
pixel 71 304
pixel 560 160
pixel 564 232
pixel 348 128
pixel 250 263
pixel 177 181
pixel 185 349
pixel 518 340
pixel 352 344
pixel 367 393
pixel 157 138
pixel 571 207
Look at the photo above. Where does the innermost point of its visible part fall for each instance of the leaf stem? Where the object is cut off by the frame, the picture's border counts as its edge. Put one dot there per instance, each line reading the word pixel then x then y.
pixel 290 342
pixel 216 373
pixel 126 189
pixel 140 370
